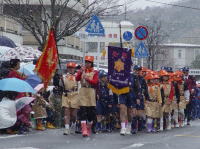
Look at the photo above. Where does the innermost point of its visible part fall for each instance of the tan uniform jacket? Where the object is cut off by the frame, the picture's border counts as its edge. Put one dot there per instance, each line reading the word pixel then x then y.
pixel 153 105
pixel 72 98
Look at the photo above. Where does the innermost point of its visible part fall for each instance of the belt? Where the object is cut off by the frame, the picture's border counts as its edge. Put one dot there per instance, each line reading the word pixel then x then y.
pixel 69 91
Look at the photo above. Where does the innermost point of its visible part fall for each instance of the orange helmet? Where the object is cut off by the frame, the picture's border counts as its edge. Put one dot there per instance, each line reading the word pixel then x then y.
pixel 71 65
pixel 178 76
pixel 156 76
pixel 172 74
pixel 89 58
pixel 149 76
pixel 163 73
pixel 144 69
pixel 180 73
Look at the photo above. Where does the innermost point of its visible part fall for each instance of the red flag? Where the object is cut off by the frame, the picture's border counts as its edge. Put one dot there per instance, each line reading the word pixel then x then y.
pixel 47 63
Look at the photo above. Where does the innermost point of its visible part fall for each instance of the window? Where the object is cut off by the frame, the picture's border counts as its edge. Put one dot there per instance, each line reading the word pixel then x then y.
pixel 179 53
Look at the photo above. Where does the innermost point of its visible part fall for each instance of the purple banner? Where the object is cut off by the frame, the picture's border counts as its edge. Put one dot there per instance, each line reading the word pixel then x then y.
pixel 119 67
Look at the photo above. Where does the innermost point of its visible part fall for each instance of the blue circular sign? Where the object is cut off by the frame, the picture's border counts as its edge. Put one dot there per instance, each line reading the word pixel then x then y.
pixel 141 33
pixel 127 36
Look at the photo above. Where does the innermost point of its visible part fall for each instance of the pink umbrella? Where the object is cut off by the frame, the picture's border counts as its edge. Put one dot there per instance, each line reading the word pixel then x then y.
pixel 22 102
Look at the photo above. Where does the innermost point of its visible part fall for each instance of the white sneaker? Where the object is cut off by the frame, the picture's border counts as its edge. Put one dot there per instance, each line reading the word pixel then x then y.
pixel 66 132
pixel 72 128
pixel 128 130
pixel 161 129
pixel 177 125
pixel 169 127
pixel 123 131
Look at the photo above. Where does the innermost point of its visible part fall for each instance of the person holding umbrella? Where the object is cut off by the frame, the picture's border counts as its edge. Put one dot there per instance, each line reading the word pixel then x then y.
pixel 15 86
pixel 14 67
pixel 23 115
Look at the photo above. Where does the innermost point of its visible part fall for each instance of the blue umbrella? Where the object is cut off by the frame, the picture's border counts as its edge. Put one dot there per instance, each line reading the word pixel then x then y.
pixel 27 69
pixel 14 84
pixel 33 80
pixel 5 41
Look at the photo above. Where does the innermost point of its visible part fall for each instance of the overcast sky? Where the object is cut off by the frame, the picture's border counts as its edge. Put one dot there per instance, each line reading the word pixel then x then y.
pixel 141 4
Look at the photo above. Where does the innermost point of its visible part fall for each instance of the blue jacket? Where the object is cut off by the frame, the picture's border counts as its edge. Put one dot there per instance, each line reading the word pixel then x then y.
pixel 103 93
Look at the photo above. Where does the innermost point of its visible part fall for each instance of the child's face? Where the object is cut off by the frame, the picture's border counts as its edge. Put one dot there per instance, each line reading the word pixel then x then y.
pixel 151 81
pixel 104 79
pixel 71 70
pixel 165 78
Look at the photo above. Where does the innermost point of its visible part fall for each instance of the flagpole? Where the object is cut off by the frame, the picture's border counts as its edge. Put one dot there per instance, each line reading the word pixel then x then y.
pixel 59 63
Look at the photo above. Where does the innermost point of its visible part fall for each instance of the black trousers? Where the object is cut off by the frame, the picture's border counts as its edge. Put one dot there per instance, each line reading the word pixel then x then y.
pixel 188 111
pixel 87 113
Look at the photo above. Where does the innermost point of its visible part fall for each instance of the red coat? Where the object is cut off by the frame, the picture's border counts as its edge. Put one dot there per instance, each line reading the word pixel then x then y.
pixel 16 74
pixel 93 81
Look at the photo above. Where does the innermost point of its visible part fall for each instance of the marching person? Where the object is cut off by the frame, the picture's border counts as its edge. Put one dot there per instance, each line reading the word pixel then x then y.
pixel 167 92
pixel 181 92
pixel 143 93
pixel 153 103
pixel 70 100
pixel 191 84
pixel 133 95
pixel 89 81
pixel 104 108
pixel 175 102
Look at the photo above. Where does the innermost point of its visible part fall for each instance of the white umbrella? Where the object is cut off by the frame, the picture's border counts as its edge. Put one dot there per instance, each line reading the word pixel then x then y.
pixel 19 52
pixel 28 52
pixel 10 54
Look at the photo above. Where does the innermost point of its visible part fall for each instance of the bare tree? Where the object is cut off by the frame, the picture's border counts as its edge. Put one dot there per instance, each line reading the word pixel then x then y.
pixel 154 40
pixel 65 16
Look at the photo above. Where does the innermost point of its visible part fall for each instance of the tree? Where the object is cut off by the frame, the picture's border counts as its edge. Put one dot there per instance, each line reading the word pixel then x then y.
pixel 196 62
pixel 65 16
pixel 155 38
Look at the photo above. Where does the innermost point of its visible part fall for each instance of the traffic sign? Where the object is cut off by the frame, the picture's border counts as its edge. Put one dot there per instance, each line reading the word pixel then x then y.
pixel 94 27
pixel 141 33
pixel 127 36
pixel 141 51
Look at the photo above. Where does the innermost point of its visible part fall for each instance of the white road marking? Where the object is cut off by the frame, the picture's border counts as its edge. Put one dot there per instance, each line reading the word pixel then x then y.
pixel 192 136
pixel 11 136
pixel 133 146
pixel 24 148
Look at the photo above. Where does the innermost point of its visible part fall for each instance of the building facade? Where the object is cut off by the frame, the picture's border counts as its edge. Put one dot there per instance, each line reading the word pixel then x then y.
pixel 177 55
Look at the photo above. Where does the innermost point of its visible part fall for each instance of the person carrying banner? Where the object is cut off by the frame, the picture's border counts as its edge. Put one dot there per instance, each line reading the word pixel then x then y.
pixel 70 100
pixel 89 80
pixel 119 68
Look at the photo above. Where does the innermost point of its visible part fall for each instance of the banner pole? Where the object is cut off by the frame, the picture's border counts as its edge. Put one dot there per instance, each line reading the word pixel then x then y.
pixel 120 31
pixel 98 56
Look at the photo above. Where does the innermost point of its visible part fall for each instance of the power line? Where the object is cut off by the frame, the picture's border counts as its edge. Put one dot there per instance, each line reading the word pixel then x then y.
pixel 176 5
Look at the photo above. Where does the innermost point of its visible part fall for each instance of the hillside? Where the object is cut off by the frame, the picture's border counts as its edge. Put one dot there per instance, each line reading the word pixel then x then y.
pixel 181 24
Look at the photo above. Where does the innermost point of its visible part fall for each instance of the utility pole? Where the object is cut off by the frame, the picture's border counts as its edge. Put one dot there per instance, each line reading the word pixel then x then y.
pixel 125 17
